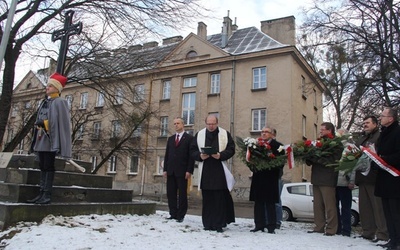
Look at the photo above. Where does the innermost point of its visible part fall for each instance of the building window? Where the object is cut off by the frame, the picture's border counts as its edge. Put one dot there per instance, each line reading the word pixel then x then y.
pixel 112 164
pixel 160 164
pixel 84 101
pixel 191 54
pixel 190 82
pixel 137 132
pixel 315 99
pixel 28 105
pixel 260 78
pixel 69 99
pixel 139 93
pixel 100 99
pixel 259 118
pixel 166 93
pixel 115 129
pixel 14 110
pixel 215 83
pixel 164 126
pixel 119 96
pixel 304 126
pixel 96 130
pixel 81 130
pixel 93 160
pixel 188 108
pixel 134 164
pixel 303 87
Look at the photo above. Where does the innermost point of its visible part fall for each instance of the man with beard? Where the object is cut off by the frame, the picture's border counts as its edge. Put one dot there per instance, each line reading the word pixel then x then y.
pixel 212 147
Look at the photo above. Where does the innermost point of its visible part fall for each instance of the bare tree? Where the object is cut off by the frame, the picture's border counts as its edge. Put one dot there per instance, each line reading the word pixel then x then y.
pixel 354 46
pixel 120 21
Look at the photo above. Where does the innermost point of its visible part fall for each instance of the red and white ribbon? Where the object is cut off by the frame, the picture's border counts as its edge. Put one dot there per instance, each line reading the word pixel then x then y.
pixel 380 162
pixel 290 156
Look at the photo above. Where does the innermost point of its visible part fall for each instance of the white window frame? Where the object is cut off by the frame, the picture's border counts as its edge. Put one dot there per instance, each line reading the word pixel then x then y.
pixel 188 108
pixel 69 99
pixel 166 93
pixel 164 126
pixel 260 78
pixel 96 130
pixel 139 93
pixel 215 83
pixel 80 132
pixel 119 96
pixel 132 160
pixel 259 119
pixel 303 87
pixel 100 99
pixel 304 126
pixel 190 81
pixel 84 100
pixel 112 164
pixel 115 129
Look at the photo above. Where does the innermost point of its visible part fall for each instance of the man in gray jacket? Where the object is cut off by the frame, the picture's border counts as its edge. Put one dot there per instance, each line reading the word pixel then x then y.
pixel 372 218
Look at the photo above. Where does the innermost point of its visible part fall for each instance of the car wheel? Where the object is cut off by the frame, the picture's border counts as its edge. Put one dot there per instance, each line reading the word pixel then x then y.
pixel 286 214
pixel 355 219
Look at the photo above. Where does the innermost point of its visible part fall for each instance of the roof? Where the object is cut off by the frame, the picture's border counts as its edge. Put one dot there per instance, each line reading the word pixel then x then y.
pixel 242 41
pixel 245 41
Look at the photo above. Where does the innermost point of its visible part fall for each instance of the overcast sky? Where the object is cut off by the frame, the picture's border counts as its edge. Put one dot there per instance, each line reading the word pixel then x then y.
pixel 247 13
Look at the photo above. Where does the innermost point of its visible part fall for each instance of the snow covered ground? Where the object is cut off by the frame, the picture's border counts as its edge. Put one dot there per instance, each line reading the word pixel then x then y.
pixel 156 232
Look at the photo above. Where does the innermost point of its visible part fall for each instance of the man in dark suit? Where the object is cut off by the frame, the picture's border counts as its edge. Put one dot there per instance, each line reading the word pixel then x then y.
pixel 387 186
pixel 264 189
pixel 178 168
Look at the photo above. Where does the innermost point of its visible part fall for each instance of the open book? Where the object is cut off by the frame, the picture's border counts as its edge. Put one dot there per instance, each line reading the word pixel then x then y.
pixel 208 150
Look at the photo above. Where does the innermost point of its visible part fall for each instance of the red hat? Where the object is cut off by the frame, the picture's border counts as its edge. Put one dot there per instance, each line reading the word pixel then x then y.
pixel 58 81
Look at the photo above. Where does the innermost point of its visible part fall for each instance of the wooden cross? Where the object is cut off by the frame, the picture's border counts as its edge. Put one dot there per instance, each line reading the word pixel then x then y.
pixel 63 35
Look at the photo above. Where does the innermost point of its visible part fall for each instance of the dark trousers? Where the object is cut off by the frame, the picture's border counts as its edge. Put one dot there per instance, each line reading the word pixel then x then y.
pixel 177 196
pixel 391 209
pixel 46 161
pixel 265 211
pixel 214 212
pixel 343 206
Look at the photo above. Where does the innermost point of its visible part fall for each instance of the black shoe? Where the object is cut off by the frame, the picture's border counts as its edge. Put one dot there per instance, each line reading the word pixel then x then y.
pixel 312 231
pixel 219 230
pixel 385 245
pixel 207 228
pixel 328 234
pixel 171 218
pixel 180 220
pixel 257 229
pixel 278 226
pixel 271 231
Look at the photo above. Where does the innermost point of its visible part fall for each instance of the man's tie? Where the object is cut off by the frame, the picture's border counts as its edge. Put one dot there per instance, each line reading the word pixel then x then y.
pixel 177 140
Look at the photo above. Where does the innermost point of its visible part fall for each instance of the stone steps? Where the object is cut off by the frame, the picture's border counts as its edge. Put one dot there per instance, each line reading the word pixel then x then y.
pixel 73 193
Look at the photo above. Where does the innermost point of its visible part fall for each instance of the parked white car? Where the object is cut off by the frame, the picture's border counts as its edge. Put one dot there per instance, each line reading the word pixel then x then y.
pixel 297 202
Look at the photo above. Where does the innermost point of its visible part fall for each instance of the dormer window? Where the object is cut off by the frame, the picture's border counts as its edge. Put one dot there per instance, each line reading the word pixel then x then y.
pixel 191 54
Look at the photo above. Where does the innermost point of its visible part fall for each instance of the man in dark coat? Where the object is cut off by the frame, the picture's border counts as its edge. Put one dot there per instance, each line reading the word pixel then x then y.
pixel 324 180
pixel 264 189
pixel 215 179
pixel 388 186
pixel 371 212
pixel 178 168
